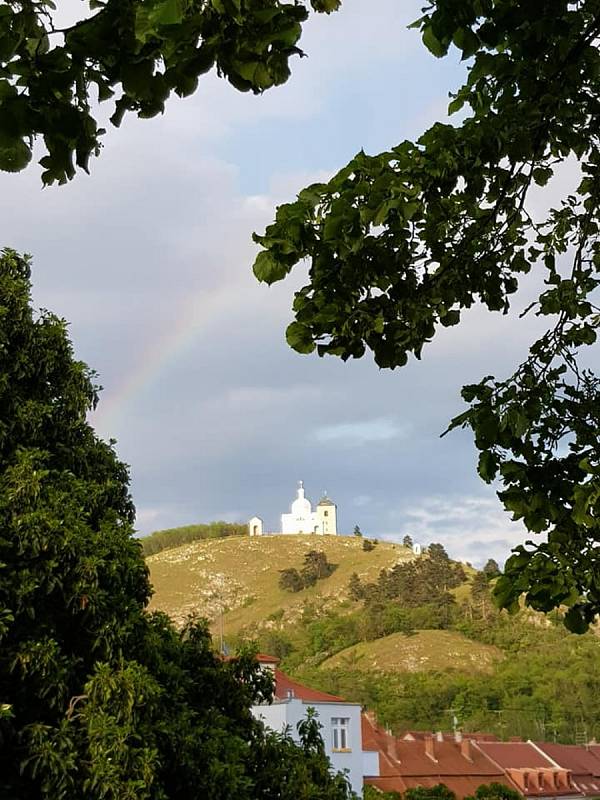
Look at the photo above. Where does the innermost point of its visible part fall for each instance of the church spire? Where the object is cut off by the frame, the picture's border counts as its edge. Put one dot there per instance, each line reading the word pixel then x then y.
pixel 300 490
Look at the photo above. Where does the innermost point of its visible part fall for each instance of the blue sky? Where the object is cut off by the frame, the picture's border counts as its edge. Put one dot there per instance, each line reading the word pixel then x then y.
pixel 150 259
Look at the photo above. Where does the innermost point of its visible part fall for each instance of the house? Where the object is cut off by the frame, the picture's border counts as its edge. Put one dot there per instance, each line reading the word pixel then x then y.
pixel 583 763
pixel 533 773
pixel 426 759
pixel 340 723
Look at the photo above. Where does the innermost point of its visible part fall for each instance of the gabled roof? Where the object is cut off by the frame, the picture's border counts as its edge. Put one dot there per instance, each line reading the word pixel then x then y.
pixel 579 760
pixel 405 764
pixel 515 755
pixel 582 762
pixel 286 688
pixel 450 737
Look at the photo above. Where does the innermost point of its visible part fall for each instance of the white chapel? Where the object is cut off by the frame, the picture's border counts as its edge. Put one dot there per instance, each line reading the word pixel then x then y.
pixel 302 518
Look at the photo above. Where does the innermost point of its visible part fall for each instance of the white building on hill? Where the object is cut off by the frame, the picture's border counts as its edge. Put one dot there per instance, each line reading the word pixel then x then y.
pixel 302 518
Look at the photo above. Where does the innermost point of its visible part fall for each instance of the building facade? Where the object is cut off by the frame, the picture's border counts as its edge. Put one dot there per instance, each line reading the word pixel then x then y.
pixel 340 723
pixel 302 518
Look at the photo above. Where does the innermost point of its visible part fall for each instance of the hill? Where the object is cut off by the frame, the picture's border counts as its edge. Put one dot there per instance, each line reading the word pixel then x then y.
pixel 241 575
pixel 417 639
pixel 421 652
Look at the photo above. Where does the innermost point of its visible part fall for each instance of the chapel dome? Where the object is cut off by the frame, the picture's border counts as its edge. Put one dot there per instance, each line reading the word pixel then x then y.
pixel 301 507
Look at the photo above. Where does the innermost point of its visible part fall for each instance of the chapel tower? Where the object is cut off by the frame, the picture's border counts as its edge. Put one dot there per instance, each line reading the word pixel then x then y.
pixel 326 516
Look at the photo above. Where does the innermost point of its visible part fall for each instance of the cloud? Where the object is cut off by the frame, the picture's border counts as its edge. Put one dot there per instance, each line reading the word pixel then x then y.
pixel 471 528
pixel 361 432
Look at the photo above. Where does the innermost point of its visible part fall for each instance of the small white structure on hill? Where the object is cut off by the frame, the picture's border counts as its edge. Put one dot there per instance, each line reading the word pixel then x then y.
pixel 302 518
pixel 255 526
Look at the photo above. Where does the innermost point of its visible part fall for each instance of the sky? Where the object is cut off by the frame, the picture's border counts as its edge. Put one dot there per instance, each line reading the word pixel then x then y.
pixel 149 258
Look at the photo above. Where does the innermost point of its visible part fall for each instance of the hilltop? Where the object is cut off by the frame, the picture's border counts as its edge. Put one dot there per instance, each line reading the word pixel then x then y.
pixel 241 575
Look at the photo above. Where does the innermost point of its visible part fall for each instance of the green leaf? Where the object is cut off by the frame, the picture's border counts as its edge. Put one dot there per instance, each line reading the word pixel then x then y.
pixel 267 269
pixel 541 175
pixel 299 338
pixel 433 44
pixel 487 466
pixel 14 156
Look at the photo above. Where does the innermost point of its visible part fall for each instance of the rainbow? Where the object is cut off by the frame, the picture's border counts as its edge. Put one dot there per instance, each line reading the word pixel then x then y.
pixel 196 314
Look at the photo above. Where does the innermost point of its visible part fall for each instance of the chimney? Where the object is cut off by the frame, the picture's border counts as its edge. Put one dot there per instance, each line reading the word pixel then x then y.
pixel 392 749
pixel 458 736
pixel 430 747
pixel 465 749
pixel 439 736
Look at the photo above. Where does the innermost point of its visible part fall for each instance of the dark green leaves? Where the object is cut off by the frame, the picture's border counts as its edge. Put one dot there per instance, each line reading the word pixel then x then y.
pixel 139 51
pixel 299 338
pixel 14 154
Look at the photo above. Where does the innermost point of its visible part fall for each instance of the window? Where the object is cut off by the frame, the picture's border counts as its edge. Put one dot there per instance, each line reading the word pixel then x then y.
pixel 326 513
pixel 340 729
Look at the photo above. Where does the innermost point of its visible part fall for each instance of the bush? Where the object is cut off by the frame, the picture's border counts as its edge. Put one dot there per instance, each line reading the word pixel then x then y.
pixel 291 580
pixel 175 537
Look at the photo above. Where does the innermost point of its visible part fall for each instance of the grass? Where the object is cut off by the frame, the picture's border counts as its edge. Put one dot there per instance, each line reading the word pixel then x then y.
pixel 241 575
pixel 423 651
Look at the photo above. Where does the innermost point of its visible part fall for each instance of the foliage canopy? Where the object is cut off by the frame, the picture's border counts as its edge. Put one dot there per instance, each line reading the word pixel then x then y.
pixel 401 243
pixel 133 51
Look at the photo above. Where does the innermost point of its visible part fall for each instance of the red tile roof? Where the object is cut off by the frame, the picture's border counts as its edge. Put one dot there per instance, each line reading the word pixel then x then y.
pixel 263 658
pixel 405 764
pixel 533 773
pixel 515 755
pixel 582 762
pixel 477 735
pixel 286 687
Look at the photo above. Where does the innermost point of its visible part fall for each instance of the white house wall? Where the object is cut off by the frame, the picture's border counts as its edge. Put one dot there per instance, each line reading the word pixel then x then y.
pixel 290 712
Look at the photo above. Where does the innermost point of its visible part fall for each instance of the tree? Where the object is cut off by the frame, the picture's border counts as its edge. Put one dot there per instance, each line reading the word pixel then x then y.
pixel 437 792
pixel 407 541
pixel 316 567
pixel 494 791
pixel 98 698
pixel 355 587
pixel 480 596
pixel 369 544
pixel 401 243
pixel 491 569
pixel 137 52
pixel 291 580
pixel 357 531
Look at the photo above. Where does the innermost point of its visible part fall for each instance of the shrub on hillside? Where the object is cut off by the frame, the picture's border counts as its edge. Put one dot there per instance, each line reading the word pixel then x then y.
pixel 290 580
pixel 175 537
pixel 316 567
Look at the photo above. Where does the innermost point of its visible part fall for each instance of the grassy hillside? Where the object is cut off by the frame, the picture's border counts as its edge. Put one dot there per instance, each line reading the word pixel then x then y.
pixel 420 644
pixel 241 574
pixel 421 652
